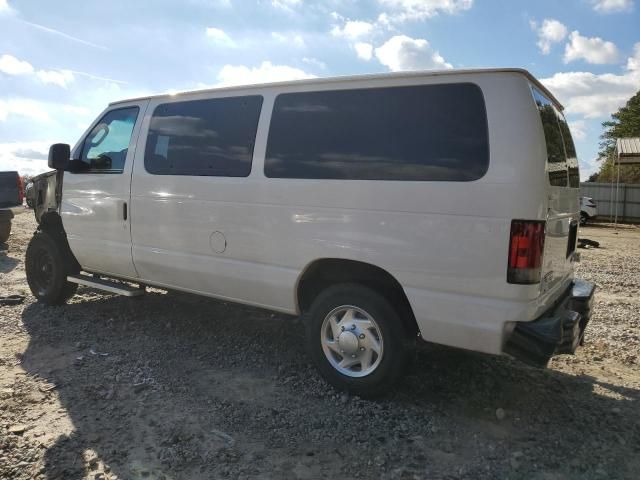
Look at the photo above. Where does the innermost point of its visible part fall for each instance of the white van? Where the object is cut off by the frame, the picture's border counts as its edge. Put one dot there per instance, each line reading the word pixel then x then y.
pixel 386 208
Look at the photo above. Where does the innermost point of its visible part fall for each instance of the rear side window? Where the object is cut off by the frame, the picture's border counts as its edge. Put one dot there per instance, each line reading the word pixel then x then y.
pixel 427 132
pixel 562 161
pixel 573 169
pixel 213 137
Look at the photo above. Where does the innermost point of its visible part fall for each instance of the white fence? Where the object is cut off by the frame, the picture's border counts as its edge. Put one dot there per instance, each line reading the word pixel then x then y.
pixel 627 206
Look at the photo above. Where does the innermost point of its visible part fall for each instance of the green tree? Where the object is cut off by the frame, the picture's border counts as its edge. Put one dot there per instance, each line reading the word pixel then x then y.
pixel 624 123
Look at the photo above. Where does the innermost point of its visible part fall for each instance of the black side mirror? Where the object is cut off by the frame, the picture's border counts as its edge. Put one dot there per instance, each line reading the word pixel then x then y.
pixel 59 156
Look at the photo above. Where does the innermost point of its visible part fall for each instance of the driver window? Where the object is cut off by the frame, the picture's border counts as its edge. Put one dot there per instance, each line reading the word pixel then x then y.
pixel 105 148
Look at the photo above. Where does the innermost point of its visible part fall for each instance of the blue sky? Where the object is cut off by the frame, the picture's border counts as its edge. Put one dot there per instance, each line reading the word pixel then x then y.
pixel 62 62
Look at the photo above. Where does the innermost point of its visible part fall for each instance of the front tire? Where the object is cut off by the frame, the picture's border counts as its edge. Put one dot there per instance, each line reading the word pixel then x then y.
pixel 583 218
pixel 356 339
pixel 47 265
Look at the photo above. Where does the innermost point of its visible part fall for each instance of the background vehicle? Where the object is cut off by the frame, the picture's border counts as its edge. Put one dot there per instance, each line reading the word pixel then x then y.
pixel 588 210
pixel 381 208
pixel 11 195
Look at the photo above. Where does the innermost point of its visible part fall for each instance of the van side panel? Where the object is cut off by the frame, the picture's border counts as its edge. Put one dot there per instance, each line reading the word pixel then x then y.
pixel 249 239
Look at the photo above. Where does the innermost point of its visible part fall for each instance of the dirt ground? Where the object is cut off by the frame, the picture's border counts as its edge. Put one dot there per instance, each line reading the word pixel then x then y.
pixel 173 386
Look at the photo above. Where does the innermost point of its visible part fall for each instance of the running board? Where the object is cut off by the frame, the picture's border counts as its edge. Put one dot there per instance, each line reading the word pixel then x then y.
pixel 106 285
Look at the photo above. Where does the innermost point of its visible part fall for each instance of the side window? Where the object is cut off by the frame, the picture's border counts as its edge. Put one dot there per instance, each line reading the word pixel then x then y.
pixel 556 156
pixel 422 132
pixel 213 137
pixel 572 157
pixel 105 148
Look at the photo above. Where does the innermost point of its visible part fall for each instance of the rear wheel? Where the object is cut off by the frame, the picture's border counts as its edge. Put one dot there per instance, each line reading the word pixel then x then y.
pixel 5 231
pixel 356 339
pixel 47 265
pixel 583 218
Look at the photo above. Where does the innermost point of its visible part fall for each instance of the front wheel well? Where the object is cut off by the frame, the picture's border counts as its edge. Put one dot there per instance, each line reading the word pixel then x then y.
pixel 323 273
pixel 51 223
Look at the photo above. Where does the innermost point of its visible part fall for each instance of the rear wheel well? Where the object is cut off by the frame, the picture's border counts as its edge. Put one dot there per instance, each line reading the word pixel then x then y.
pixel 323 273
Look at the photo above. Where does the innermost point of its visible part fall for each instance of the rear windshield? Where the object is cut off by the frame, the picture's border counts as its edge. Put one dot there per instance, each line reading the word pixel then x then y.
pixel 562 161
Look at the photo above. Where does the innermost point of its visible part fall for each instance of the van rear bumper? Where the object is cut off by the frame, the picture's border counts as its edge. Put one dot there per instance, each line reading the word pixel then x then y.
pixel 559 330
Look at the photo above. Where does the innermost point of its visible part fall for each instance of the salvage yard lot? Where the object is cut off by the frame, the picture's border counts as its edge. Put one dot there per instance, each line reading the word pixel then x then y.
pixel 176 386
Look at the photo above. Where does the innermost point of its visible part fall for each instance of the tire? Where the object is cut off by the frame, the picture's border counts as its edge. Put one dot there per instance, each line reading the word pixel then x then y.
pixel 372 373
pixel 5 230
pixel 47 264
pixel 583 218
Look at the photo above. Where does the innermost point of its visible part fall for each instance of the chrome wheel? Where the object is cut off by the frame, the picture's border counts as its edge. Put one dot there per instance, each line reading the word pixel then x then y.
pixel 351 341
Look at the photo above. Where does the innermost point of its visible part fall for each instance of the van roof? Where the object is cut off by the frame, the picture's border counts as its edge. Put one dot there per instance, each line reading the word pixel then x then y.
pixel 350 78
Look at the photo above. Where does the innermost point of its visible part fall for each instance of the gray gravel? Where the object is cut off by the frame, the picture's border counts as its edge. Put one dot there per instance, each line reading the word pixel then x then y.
pixel 176 386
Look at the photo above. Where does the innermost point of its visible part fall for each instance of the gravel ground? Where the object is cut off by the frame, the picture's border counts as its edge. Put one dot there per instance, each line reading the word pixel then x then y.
pixel 175 386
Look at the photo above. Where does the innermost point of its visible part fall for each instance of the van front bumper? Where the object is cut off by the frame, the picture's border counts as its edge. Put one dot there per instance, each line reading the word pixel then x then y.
pixel 559 330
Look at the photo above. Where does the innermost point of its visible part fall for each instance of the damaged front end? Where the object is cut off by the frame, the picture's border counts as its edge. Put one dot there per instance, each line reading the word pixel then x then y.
pixel 46 193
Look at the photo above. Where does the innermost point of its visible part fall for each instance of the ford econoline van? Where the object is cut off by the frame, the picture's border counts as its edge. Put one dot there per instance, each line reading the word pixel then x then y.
pixel 441 206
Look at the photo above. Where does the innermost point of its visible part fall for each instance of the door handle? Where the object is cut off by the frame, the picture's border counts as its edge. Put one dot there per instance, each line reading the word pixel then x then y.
pixel 124 210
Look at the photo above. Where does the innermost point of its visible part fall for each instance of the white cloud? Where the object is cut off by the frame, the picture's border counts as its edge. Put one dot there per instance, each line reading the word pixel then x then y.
pixel 596 96
pixel 405 53
pixel 593 50
pixel 633 62
pixel 10 65
pixel 294 39
pixel 611 6
pixel 364 50
pixel 287 5
pixel 23 107
pixel 578 129
pixel 315 62
pixel 5 8
pixel 219 36
pixel 402 10
pixel 551 31
pixel 25 157
pixel 265 73
pixel 352 29
pixel 60 78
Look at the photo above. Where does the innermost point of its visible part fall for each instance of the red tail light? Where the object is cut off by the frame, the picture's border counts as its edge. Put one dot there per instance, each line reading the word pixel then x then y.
pixel 526 246
pixel 20 190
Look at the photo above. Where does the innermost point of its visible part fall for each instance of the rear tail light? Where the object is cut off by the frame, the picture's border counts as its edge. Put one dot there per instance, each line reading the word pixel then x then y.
pixel 20 190
pixel 526 246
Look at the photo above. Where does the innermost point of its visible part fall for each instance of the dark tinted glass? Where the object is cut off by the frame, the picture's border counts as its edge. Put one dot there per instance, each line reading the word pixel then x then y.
pixel 556 158
pixel 105 148
pixel 572 157
pixel 435 132
pixel 213 137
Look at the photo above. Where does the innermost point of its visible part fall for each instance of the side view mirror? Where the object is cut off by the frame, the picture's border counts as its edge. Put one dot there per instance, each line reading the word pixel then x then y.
pixel 59 155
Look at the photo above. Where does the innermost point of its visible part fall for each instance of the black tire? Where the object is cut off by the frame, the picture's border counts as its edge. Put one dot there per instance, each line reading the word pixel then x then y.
pixel 5 231
pixel 47 264
pixel 394 339
pixel 583 218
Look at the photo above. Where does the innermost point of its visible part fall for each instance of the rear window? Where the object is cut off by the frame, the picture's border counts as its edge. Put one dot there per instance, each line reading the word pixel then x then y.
pixel 562 161
pixel 213 137
pixel 427 132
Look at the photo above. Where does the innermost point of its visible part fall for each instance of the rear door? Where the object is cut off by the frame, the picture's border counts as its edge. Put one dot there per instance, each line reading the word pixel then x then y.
pixel 96 195
pixel 563 203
